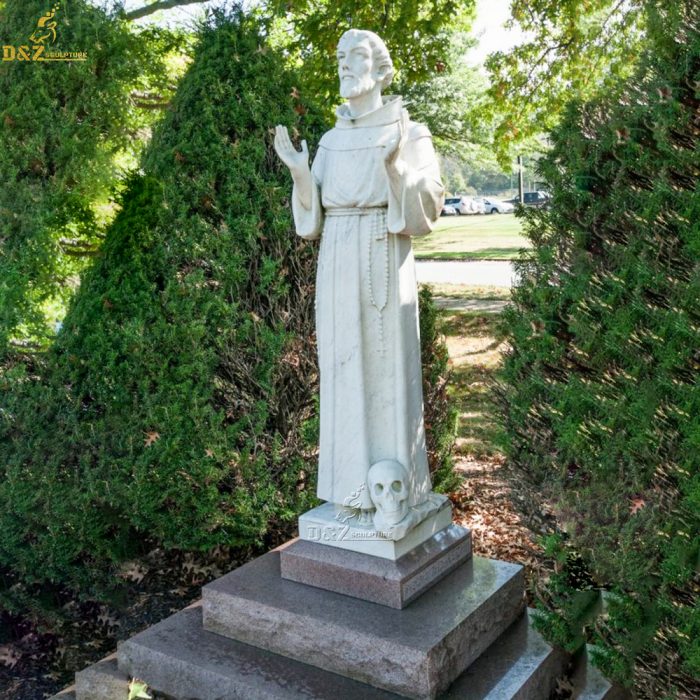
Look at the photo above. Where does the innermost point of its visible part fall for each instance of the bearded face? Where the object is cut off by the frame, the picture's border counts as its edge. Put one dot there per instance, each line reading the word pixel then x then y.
pixel 355 67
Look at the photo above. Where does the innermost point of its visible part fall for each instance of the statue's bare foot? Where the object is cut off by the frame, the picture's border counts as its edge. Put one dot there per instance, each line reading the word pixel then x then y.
pixel 365 517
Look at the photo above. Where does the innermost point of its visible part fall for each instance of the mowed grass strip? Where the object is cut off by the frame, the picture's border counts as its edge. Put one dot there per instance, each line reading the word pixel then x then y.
pixel 469 291
pixel 475 347
pixel 473 237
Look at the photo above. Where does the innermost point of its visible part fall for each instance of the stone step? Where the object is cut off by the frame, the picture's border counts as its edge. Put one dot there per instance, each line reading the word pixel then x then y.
pixel 590 684
pixel 102 681
pixel 384 581
pixel 179 658
pixel 520 665
pixel 416 652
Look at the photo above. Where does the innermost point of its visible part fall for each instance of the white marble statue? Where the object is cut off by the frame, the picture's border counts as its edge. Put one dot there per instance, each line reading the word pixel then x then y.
pixel 374 183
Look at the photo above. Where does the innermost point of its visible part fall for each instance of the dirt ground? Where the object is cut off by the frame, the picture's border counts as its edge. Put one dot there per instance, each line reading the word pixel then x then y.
pixel 504 512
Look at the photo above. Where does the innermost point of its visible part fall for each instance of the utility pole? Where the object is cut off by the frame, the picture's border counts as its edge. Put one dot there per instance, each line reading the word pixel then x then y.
pixel 521 189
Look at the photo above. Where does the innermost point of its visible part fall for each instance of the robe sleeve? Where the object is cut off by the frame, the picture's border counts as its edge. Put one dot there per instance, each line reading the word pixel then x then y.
pixel 309 222
pixel 417 195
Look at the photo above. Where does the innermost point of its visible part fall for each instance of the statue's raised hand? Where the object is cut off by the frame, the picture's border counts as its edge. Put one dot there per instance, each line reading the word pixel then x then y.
pixel 296 161
pixel 298 164
pixel 396 144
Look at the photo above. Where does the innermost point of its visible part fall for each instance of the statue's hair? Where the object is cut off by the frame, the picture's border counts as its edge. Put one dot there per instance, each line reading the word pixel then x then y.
pixel 380 53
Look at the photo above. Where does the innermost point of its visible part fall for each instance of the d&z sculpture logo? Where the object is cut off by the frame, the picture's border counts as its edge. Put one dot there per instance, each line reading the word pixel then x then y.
pixel 43 36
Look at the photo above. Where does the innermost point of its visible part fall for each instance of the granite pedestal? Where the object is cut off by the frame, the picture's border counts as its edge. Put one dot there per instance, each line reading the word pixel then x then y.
pixel 180 659
pixel 416 652
pixel 258 636
pixel 383 581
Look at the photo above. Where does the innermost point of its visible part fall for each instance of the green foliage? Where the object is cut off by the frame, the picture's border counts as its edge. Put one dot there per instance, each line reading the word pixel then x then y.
pixel 174 403
pixel 178 405
pixel 446 99
pixel 440 412
pixel 415 32
pixel 570 47
pixel 600 397
pixel 62 125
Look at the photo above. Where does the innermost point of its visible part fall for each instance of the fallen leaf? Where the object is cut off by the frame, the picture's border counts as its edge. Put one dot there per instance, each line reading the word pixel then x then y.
pixel 133 571
pixel 151 438
pixel 9 656
pixel 636 504
pixel 138 690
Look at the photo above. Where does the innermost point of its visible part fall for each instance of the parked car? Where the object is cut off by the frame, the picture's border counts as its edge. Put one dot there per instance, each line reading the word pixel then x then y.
pixel 535 199
pixel 496 206
pixel 448 210
pixel 465 205
pixel 531 199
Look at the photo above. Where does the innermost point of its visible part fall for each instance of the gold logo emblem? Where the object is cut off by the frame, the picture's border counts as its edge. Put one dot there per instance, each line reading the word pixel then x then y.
pixel 44 35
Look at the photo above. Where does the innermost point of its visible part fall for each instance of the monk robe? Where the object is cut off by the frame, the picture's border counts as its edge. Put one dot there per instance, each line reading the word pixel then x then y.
pixel 366 299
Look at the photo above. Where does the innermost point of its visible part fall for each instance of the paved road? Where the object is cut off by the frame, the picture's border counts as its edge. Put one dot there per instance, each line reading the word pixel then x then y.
pixel 496 273
pixel 484 306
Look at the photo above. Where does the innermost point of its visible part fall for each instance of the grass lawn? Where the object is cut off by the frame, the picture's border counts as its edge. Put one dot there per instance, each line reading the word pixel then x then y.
pixel 468 291
pixel 475 346
pixel 476 237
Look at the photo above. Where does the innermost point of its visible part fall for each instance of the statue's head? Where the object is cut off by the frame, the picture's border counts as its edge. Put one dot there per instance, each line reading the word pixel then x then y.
pixel 363 63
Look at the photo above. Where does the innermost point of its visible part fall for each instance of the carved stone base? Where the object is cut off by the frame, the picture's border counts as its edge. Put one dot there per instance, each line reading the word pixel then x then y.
pixel 378 580
pixel 179 658
pixel 330 525
pixel 416 652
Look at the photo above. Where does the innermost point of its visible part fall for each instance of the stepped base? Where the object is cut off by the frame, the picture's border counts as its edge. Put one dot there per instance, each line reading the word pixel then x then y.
pixel 519 664
pixel 382 581
pixel 463 639
pixel 416 652
pixel 179 659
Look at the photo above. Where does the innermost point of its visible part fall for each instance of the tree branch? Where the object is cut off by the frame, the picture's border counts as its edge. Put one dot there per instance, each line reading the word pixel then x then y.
pixel 78 249
pixel 160 5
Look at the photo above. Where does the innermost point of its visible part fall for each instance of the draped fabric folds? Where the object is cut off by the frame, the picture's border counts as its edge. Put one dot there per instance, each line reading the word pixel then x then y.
pixel 366 303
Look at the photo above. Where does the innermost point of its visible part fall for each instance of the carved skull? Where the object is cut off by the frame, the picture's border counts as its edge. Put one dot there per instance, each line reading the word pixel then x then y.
pixel 388 489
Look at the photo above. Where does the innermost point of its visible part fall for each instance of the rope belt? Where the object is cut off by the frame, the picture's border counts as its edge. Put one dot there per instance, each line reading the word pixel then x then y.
pixel 354 211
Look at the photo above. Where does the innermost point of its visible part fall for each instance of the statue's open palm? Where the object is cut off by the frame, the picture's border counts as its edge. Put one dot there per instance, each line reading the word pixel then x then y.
pixel 296 161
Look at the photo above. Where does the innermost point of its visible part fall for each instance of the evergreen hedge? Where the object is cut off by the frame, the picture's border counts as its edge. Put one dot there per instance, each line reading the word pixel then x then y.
pixel 61 125
pixel 178 406
pixel 599 393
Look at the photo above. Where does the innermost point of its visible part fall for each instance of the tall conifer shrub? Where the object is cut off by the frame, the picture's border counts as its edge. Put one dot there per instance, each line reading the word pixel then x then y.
pixel 177 403
pixel 600 394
